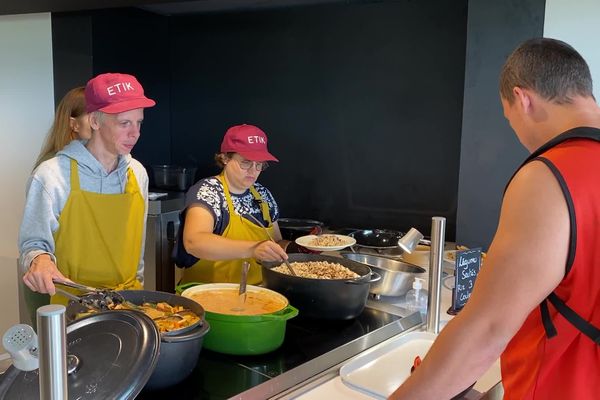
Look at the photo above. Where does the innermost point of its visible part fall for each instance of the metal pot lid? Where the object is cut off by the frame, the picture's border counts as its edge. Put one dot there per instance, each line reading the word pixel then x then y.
pixel 116 351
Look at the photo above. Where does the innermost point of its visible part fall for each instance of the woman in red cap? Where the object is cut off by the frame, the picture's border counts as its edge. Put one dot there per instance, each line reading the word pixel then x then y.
pixel 220 224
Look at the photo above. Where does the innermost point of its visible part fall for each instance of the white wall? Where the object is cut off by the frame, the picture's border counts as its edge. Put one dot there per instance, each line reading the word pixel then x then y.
pixel 26 111
pixel 577 23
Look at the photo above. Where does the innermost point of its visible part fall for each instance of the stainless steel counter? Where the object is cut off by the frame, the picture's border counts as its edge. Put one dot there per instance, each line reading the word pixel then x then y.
pixel 173 201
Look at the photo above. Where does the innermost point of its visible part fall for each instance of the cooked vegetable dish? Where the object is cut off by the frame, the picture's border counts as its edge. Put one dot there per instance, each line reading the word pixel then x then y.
pixel 166 317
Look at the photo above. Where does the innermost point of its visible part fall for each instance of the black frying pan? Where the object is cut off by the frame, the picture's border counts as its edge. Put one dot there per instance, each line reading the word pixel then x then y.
pixel 293 228
pixel 380 239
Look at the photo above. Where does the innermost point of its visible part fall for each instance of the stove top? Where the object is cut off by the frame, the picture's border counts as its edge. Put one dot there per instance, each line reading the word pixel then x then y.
pixel 310 347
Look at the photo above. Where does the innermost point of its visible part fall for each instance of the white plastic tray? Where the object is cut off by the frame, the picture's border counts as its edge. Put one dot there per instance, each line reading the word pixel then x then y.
pixel 378 373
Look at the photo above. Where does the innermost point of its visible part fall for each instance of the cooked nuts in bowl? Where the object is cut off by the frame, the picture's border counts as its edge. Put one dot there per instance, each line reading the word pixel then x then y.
pixel 318 270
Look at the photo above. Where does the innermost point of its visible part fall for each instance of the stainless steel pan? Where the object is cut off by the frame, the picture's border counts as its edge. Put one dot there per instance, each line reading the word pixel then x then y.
pixel 396 276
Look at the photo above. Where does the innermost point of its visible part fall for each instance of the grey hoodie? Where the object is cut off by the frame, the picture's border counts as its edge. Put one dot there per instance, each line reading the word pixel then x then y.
pixel 48 189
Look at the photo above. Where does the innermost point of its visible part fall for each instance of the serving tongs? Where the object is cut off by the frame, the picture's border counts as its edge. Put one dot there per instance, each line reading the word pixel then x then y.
pixel 95 298
pixel 287 264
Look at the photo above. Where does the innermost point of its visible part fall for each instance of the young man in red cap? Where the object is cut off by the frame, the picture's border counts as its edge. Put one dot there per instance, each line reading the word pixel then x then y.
pixel 85 212
pixel 219 227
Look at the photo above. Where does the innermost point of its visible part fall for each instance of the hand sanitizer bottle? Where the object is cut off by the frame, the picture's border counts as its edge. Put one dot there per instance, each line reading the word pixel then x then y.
pixel 416 298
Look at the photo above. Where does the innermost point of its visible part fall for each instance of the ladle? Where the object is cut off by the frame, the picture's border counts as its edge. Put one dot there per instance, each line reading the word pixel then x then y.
pixel 287 264
pixel 242 290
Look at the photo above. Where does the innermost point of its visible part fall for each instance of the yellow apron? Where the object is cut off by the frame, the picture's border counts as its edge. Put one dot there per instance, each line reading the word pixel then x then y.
pixel 99 238
pixel 239 228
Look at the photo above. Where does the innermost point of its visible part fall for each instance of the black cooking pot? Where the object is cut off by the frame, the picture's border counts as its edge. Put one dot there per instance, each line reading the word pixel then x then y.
pixel 173 177
pixel 322 298
pixel 293 228
pixel 178 352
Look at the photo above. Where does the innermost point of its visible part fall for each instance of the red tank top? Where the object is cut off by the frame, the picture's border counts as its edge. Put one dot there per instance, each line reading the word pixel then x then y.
pixel 566 366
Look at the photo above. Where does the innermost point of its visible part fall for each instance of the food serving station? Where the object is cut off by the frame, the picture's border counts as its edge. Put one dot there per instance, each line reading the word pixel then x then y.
pixel 319 326
pixel 316 347
pixel 310 348
pixel 337 320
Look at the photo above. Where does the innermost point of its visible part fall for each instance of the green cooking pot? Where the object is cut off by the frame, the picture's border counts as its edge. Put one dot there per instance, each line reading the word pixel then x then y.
pixel 242 334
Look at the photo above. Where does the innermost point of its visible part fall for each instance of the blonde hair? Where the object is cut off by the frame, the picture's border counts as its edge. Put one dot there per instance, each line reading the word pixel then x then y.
pixel 72 105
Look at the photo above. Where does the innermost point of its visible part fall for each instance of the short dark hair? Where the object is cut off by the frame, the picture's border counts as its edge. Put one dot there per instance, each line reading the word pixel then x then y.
pixel 550 67
pixel 220 158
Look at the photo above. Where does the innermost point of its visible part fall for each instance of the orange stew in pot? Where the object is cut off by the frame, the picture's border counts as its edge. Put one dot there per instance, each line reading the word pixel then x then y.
pixel 228 301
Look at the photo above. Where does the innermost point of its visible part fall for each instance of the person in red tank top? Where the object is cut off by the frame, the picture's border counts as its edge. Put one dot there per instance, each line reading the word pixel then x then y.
pixel 534 301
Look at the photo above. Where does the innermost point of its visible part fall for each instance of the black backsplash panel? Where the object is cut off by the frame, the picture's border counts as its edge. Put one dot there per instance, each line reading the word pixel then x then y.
pixel 132 41
pixel 71 54
pixel 137 42
pixel 362 103
pixel 490 150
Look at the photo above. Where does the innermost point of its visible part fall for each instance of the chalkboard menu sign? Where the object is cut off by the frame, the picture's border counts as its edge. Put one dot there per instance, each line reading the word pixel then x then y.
pixel 467 264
